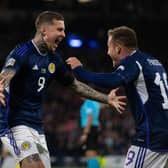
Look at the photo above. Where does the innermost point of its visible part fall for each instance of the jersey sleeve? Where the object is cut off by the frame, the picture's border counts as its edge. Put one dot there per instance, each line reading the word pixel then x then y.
pixel 63 73
pixel 15 59
pixel 125 73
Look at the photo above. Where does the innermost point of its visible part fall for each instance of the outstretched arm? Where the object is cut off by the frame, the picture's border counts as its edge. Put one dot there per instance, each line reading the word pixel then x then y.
pixel 5 77
pixel 88 92
pixel 108 80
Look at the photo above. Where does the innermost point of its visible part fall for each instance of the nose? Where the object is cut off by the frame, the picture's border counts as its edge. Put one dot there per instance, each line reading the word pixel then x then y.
pixel 63 34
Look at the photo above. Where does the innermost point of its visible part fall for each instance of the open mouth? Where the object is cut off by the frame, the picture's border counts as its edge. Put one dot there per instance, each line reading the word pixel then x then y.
pixel 57 41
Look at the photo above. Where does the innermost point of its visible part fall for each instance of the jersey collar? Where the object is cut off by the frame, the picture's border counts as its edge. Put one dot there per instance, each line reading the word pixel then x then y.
pixel 37 48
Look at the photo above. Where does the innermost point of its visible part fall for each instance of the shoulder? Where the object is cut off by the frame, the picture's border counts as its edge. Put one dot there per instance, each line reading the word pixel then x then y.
pixel 137 58
pixel 147 60
pixel 22 49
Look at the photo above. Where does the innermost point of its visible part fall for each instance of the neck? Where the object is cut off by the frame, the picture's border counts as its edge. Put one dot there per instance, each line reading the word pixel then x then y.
pixel 129 52
pixel 40 44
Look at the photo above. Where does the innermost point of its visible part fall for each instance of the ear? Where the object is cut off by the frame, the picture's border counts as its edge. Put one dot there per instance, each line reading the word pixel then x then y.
pixel 43 30
pixel 118 49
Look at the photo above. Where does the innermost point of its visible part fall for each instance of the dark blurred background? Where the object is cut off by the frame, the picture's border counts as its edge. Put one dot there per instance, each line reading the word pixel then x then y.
pixel 87 22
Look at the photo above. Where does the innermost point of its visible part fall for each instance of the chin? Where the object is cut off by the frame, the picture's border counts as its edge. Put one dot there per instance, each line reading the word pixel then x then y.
pixel 115 63
pixel 54 49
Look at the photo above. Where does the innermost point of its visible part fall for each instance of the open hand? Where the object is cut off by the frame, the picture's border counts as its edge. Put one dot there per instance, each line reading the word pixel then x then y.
pixel 73 62
pixel 118 102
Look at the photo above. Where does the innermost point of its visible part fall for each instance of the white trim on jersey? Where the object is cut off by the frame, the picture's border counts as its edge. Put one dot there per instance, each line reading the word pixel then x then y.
pixel 141 86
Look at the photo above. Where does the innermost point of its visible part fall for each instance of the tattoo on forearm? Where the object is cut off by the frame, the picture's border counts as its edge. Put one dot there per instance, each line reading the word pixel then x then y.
pixel 7 75
pixel 88 92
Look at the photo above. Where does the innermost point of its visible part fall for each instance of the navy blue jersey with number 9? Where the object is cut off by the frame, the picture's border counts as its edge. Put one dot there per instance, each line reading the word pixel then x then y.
pixel 34 72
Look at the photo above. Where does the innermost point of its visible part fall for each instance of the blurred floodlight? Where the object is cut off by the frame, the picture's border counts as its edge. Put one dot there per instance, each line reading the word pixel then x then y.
pixel 74 42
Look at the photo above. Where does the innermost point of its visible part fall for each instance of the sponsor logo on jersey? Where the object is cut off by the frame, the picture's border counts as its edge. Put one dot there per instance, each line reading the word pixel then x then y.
pixel 35 67
pixel 25 145
pixel 10 62
pixel 51 68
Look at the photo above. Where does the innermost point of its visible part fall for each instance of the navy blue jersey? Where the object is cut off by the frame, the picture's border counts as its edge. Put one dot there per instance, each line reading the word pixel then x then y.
pixel 145 82
pixel 34 72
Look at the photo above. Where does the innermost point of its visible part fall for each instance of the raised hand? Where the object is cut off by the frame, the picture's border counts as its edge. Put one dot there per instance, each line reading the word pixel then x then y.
pixel 118 102
pixel 73 62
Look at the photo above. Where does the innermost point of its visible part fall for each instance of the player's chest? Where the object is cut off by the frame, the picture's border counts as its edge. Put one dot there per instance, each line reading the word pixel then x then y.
pixel 41 67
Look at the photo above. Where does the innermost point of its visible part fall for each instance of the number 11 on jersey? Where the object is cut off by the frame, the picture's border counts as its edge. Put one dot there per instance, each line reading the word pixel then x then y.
pixel 161 81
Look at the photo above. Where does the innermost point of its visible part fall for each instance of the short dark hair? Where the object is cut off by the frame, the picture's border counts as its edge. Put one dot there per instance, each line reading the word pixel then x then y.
pixel 47 17
pixel 124 35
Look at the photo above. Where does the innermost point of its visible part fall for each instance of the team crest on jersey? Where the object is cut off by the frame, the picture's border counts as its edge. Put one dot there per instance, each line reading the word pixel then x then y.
pixel 26 145
pixel 51 67
pixel 10 62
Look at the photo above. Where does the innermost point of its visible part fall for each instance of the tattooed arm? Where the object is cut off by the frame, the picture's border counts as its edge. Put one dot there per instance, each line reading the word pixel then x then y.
pixel 5 78
pixel 88 92
pixel 117 102
pixel 7 75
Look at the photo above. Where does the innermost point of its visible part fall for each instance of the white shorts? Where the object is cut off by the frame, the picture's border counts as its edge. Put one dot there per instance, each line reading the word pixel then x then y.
pixel 28 142
pixel 139 157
